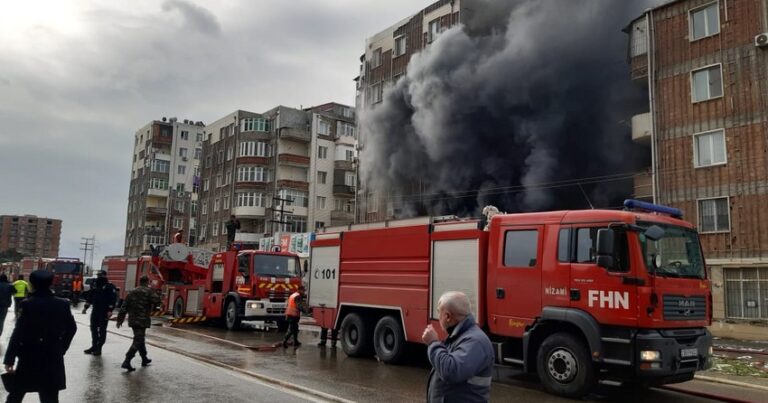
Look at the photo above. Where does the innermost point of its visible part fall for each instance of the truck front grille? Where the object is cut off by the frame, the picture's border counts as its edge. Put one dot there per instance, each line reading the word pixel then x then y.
pixel 678 307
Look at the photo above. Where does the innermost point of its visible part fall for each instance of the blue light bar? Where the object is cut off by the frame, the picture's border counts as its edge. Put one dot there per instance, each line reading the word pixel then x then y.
pixel 630 204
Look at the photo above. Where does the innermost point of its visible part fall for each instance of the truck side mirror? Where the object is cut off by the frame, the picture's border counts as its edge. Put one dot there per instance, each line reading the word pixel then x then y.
pixel 605 248
pixel 306 266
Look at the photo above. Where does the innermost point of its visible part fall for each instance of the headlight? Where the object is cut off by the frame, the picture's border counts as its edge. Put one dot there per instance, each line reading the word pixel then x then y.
pixel 650 355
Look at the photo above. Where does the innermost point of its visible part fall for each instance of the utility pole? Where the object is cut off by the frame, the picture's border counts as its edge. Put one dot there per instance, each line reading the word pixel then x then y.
pixel 281 212
pixel 87 246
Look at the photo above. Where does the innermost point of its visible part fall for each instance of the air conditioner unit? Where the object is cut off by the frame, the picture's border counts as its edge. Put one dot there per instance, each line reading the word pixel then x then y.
pixel 761 40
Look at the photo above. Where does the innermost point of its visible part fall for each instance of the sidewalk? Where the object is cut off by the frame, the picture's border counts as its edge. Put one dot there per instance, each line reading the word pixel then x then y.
pixel 739 361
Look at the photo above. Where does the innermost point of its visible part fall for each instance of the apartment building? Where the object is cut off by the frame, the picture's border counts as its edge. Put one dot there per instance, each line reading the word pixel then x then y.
pixel 165 179
pixel 705 64
pixel 30 235
pixel 285 170
pixel 385 60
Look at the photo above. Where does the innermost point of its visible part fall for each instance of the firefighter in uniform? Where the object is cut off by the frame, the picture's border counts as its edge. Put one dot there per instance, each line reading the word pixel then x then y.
pixel 138 305
pixel 292 315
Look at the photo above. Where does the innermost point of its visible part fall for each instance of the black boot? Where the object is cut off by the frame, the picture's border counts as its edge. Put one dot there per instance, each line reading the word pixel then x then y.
pixel 89 351
pixel 145 361
pixel 96 352
pixel 127 365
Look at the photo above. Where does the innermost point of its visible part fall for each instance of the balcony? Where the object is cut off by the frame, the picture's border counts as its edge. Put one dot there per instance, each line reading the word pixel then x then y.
pixel 341 217
pixel 289 133
pixel 344 165
pixel 157 211
pixel 643 187
pixel 343 190
pixel 249 211
pixel 158 192
pixel 641 128
pixel 293 160
pixel 262 161
pixel 290 184
pixel 246 237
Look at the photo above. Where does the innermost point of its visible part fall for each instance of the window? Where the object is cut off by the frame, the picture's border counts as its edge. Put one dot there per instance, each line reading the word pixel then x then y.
pixel 564 245
pixel 709 149
pixel 378 92
pixel 586 248
pixel 322 177
pixel 349 178
pixel 199 137
pixel 227 178
pixel 251 199
pixel 196 172
pixel 349 155
pixel 219 180
pixel 521 248
pixel 178 222
pixel 221 157
pixel 707 83
pixel 206 185
pixel 184 135
pixel 182 152
pixel 161 166
pixel 209 161
pixel 180 187
pixel 293 223
pixel 714 215
pixel 322 152
pixel 376 58
pixel 181 169
pixel 230 153
pixel 400 43
pixel 193 207
pixel 215 229
pixel 321 202
pixel 319 224
pixel 348 112
pixel 204 209
pixel 216 204
pixel 252 174
pixel 255 124
pixel 203 231
pixel 298 198
pixel 225 203
pixel 323 127
pixel 157 183
pixel 434 29
pixel 198 153
pixel 746 291
pixel 179 205
pixel 346 129
pixel 254 149
pixel 704 21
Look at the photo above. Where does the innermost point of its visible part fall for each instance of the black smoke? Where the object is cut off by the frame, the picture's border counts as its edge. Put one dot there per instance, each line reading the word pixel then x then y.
pixel 511 110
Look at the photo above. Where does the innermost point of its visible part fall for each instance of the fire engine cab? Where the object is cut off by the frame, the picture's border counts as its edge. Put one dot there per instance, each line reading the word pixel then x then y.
pixel 574 296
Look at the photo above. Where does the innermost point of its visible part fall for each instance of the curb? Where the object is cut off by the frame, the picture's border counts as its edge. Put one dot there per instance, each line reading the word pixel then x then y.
pixel 713 379
pixel 263 378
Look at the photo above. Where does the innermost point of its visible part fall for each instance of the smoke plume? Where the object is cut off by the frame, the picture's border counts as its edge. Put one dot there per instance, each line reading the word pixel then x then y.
pixel 526 95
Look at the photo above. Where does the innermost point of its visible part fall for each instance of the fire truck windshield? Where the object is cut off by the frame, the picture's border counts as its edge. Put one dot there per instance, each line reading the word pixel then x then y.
pixel 677 254
pixel 65 267
pixel 275 266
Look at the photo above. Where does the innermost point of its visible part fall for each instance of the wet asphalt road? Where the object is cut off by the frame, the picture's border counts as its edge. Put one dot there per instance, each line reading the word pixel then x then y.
pixel 176 377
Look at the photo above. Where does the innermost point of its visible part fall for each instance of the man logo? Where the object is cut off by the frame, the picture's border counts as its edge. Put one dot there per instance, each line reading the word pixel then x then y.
pixel 686 303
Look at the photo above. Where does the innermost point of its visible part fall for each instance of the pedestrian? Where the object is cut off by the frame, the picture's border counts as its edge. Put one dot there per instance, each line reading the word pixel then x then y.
pixel 324 337
pixel 6 295
pixel 138 305
pixel 461 365
pixel 77 288
pixel 43 333
pixel 179 235
pixel 22 289
pixel 293 315
pixel 232 226
pixel 102 296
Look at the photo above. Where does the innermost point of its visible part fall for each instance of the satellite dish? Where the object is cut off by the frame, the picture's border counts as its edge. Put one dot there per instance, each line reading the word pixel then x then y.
pixel 177 252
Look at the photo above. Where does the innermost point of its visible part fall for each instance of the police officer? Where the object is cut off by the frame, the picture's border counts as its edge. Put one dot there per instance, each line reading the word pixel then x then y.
pixel 22 288
pixel 292 315
pixel 43 333
pixel 138 305
pixel 102 296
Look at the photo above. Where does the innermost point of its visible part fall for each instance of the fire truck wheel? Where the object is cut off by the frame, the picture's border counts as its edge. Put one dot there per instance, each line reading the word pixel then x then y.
pixel 355 337
pixel 388 340
pixel 231 319
pixel 178 308
pixel 564 366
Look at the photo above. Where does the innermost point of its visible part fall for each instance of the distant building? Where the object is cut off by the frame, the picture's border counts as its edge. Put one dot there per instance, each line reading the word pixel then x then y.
pixel 165 179
pixel 252 161
pixel 385 60
pixel 30 235
pixel 705 64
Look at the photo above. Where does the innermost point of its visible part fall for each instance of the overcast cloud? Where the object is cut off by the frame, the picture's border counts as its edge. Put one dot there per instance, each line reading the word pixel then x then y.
pixel 78 78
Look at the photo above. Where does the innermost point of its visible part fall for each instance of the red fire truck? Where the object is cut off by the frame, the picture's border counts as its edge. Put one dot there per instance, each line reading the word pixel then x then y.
pixel 65 272
pixel 30 264
pixel 246 285
pixel 574 296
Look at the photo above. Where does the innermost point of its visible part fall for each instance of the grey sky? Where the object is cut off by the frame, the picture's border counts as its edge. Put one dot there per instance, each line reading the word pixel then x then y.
pixel 78 78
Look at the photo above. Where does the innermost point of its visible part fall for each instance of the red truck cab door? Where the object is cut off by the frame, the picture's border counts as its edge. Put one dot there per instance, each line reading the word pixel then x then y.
pixel 514 278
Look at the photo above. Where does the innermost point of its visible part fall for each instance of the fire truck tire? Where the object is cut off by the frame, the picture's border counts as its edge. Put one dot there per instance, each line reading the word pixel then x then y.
pixel 231 319
pixel 389 340
pixel 355 336
pixel 565 367
pixel 178 308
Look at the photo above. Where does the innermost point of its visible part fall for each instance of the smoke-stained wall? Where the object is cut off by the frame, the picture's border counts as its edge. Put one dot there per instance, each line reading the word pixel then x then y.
pixel 523 96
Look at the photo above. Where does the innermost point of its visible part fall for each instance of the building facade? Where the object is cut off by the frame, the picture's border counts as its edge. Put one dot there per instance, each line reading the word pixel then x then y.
pixel 706 70
pixel 165 179
pixel 30 235
pixel 285 170
pixel 385 60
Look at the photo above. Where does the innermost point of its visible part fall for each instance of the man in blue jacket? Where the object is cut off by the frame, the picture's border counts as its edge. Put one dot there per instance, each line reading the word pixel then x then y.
pixel 461 365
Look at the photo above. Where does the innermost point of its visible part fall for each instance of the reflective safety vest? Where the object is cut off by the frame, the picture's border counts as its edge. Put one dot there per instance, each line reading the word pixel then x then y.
pixel 21 288
pixel 76 287
pixel 292 309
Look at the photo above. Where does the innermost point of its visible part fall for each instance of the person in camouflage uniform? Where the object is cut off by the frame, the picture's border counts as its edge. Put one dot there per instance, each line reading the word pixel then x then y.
pixel 138 305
